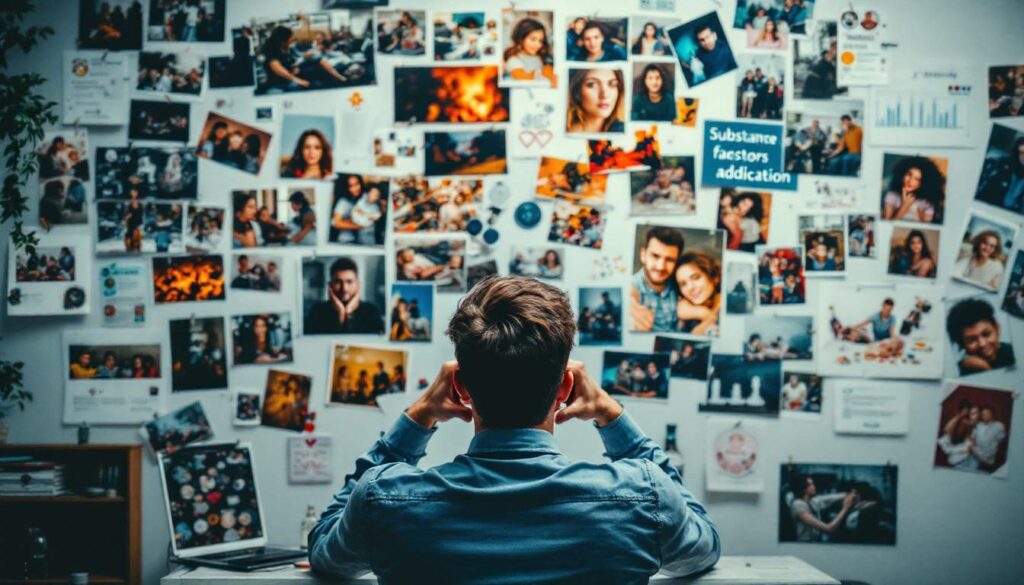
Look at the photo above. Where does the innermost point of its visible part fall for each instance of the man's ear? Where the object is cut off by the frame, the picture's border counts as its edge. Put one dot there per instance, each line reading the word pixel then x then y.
pixel 565 387
pixel 461 393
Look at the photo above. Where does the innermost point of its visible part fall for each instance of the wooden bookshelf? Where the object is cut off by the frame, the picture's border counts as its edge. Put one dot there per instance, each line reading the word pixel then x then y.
pixel 98 535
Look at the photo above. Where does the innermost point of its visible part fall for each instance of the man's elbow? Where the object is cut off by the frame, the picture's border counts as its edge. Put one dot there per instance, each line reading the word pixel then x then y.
pixel 699 557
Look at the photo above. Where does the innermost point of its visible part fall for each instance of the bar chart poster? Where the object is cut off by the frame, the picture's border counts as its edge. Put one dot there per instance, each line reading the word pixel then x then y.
pixel 934 112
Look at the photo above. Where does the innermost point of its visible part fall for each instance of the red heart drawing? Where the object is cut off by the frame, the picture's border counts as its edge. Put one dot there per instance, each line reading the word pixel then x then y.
pixel 543 137
pixel 527 138
pixel 310 442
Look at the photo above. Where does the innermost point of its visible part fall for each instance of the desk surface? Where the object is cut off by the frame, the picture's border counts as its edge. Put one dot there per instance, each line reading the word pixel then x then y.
pixel 728 571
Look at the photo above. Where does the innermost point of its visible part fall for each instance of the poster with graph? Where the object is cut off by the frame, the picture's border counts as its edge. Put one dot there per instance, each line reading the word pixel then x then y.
pixel 931 108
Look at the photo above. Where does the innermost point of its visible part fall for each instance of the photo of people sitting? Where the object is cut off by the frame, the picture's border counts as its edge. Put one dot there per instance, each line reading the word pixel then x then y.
pixel 702 49
pixel 113 361
pixel 401 32
pixel 654 94
pixel 439 261
pixel 135 227
pixel 974 430
pixel 265 338
pixel 361 375
pixel 578 225
pixel 465 153
pixel 164 121
pixel 837 504
pixel 914 188
pixel 286 400
pixel 464 36
pixel 199 359
pixel 911 252
pixel 824 241
pixel 412 312
pixel 437 205
pixel 780 276
pixel 115 25
pixel 233 144
pixel 789 15
pixel 760 91
pixel 814 63
pixel 822 144
pixel 63 178
pixel 171 73
pixel 635 375
pixel 256 273
pixel 778 337
pixel 342 294
pixel 687 358
pixel 160 173
pixel 544 263
pixel 1001 182
pixel 801 392
pixel 186 21
pixel 359 210
pixel 884 339
pixel 600 316
pixel 1006 91
pixel 744 215
pixel 861 235
pixel 311 157
pixel 981 259
pixel 566 179
pixel 596 40
pixel 980 343
pixel 314 50
pixel 204 228
pixel 273 217
pixel 41 264
pixel 650 36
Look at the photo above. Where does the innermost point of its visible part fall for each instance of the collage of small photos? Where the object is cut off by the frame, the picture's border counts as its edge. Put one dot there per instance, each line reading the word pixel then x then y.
pixel 550 126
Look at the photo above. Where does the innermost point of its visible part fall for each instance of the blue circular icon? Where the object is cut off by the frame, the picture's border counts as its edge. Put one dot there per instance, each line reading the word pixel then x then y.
pixel 527 215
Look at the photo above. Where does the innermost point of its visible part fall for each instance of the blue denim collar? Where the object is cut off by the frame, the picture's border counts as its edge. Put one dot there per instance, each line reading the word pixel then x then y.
pixel 513 441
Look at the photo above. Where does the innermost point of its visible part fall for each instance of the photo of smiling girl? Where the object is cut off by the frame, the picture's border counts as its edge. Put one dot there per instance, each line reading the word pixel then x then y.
pixel 528 59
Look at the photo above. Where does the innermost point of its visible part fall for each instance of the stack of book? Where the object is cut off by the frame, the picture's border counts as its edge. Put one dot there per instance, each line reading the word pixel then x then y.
pixel 31 478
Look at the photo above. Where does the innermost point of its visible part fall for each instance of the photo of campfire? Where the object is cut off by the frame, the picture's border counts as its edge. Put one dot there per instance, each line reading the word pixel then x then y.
pixel 606 157
pixel 449 95
pixel 179 279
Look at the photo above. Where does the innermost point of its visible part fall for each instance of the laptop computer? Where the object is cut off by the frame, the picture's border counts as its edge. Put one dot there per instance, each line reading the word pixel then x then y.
pixel 214 510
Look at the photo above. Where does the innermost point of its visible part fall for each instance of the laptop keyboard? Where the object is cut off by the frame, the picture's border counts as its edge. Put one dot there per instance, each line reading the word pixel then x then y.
pixel 246 553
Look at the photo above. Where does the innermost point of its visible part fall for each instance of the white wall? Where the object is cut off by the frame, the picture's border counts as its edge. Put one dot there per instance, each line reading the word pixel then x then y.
pixel 952 527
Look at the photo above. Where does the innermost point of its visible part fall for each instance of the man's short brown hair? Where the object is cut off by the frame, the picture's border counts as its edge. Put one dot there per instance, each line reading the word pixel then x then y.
pixel 512 339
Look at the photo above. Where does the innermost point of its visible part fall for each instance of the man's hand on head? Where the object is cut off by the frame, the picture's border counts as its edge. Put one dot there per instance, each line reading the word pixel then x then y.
pixel 438 403
pixel 587 401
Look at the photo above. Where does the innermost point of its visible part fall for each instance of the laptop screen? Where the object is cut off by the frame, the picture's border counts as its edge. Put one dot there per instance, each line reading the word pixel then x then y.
pixel 211 497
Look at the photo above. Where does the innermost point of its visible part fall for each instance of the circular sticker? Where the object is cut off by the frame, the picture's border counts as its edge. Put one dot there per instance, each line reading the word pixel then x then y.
pixel 736 452
pixel 527 215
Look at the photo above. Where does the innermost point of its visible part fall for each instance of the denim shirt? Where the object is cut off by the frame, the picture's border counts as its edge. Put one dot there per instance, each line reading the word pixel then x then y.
pixel 661 303
pixel 514 509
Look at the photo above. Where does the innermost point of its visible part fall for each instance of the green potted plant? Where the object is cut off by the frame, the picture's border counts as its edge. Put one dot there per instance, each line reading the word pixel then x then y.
pixel 24 115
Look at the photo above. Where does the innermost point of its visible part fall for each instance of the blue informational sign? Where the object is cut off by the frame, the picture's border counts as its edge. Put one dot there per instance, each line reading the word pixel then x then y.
pixel 741 154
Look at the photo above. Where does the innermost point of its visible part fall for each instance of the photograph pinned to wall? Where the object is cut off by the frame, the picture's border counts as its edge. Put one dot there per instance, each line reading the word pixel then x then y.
pixel 543 263
pixel 471 152
pixel 980 338
pixel 113 25
pixel 578 225
pixel 233 144
pixel 635 375
pixel 199 356
pixel 606 157
pixel 667 190
pixel 477 270
pixel 449 95
pixel 860 240
pixel 778 337
pixel 914 188
pixel 591 39
pixel 739 386
pixel 113 383
pixel 464 36
pixel 859 500
pixel 256 272
pixel 825 138
pixel 677 280
pixel 168 172
pixel 702 48
pixel 780 275
pixel 336 51
pixel 124 288
pixel 263 338
pixel 195 21
pixel 1013 299
pixel 412 312
pixel 196 278
pixel 745 217
pixel 94 92
pixel 790 15
pixel 401 33
pixel 600 316
pixel 760 90
pixel 162 121
pixel 172 431
pixel 731 462
pixel 649 36
pixel 286 400
pixel 1000 181
pixel 1004 95
pixel 890 332
pixel 527 48
pixel 50 278
pixel 596 101
pixel 814 63
pixel 534 121
pixel 310 140
pixel 177 74
pixel 823 237
pixel 309 459
pixel 204 228
pixel 237 69
pixel 801 395
pixel 282 217
pixel 246 408
pixel 435 205
pixel 359 375
pixel 397 151
pixel 359 210
pixel 565 179
pixel 974 429
pixel 686 112
pixel 984 251
pixel 871 408
pixel 441 261
pixel 914 251
pixel 687 358
pixel 343 294
pixel 740 285
pixel 63 168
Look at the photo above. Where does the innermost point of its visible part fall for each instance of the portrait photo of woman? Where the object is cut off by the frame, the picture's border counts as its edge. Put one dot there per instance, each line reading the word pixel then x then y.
pixel 527 59
pixel 699 278
pixel 982 257
pixel 595 101
pixel 262 339
pixel 911 253
pixel 915 188
pixel 650 39
pixel 653 92
pixel 744 216
pixel 310 157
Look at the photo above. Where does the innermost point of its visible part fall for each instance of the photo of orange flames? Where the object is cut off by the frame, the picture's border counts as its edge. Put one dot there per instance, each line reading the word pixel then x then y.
pixel 563 179
pixel 188 278
pixel 451 95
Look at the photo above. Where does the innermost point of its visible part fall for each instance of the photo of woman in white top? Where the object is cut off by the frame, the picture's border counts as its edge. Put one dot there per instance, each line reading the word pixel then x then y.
pixel 981 260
